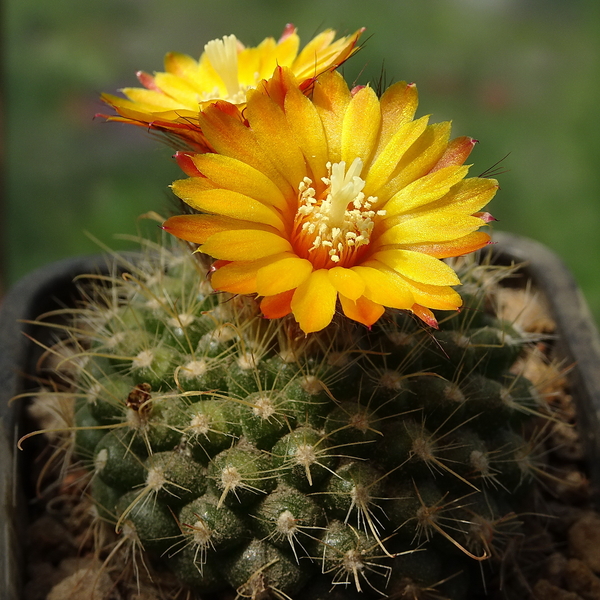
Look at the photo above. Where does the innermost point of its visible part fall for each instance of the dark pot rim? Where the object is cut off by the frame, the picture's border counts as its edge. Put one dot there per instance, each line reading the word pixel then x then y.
pixel 52 286
pixel 578 341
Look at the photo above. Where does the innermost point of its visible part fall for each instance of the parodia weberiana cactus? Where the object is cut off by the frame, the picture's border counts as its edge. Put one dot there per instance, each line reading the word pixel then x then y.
pixel 341 446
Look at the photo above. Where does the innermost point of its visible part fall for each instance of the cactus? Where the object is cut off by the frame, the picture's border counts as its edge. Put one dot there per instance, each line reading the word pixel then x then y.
pixel 242 455
pixel 304 455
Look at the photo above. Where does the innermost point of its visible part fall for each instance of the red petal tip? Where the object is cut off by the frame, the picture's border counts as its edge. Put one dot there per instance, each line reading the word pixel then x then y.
pixel 288 30
pixel 486 217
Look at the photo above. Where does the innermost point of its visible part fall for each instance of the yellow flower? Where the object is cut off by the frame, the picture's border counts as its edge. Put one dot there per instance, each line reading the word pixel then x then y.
pixel 169 102
pixel 340 196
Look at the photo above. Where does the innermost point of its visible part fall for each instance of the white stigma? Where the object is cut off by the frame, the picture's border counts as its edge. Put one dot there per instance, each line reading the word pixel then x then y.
pixel 223 56
pixel 345 217
pixel 345 187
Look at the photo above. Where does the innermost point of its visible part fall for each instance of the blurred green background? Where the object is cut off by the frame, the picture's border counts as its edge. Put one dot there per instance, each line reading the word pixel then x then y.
pixel 521 76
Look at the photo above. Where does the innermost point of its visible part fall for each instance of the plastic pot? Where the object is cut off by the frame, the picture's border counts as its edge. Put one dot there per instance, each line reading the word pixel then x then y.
pixel 52 287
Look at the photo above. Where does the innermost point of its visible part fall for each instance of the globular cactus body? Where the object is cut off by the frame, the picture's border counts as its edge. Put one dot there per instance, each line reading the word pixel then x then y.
pixel 245 456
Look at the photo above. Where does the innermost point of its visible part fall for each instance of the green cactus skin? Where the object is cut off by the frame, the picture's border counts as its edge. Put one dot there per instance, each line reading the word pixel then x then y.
pixel 244 456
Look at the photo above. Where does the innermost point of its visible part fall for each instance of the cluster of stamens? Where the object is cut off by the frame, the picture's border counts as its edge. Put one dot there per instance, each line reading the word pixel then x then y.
pixel 344 219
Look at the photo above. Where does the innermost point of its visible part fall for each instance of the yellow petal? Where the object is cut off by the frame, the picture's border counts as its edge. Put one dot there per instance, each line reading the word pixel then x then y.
pixel 309 57
pixel 426 189
pixel 331 96
pixel 398 106
pixel 285 53
pixel 178 89
pixel 278 306
pixel 434 296
pixel 313 303
pixel 362 310
pixel 198 228
pixel 248 244
pixel 179 64
pixel 388 159
pixel 360 127
pixel 240 177
pixel 229 136
pixel 237 277
pixel 322 53
pixel 419 159
pixel 384 286
pixel 430 227
pixel 464 245
pixel 150 99
pixel 456 152
pixel 418 267
pixel 347 282
pixel 467 196
pixel 226 203
pixel 285 273
pixel 273 133
pixel 308 130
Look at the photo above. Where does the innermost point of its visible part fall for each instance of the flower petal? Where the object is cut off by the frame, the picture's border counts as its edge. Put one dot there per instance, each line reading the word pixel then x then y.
pixel 398 106
pixel 322 53
pixel 362 310
pixel 456 153
pixel 283 274
pixel 236 277
pixel 360 127
pixel 229 136
pixel 418 267
pixel 468 196
pixel 389 157
pixel 432 227
pixel 419 159
pixel 278 306
pixel 425 315
pixel 331 97
pixel 198 228
pixel 145 100
pixel 438 297
pixel 226 203
pixel 384 286
pixel 237 176
pixel 179 64
pixel 307 129
pixel 347 282
pixel 464 245
pixel 273 133
pixel 424 190
pixel 179 89
pixel 244 244
pixel 314 301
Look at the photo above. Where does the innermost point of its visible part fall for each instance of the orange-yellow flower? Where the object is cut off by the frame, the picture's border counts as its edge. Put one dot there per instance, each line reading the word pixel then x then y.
pixel 169 102
pixel 340 196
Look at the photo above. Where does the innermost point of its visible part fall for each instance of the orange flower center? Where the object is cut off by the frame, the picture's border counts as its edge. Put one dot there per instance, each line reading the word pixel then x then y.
pixel 332 228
